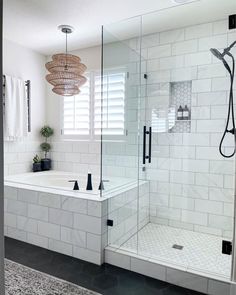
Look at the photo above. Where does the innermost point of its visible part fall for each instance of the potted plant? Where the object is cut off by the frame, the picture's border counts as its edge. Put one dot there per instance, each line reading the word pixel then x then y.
pixel 36 164
pixel 46 132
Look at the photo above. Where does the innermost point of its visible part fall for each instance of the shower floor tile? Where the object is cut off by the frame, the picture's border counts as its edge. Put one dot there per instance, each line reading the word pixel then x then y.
pixel 200 252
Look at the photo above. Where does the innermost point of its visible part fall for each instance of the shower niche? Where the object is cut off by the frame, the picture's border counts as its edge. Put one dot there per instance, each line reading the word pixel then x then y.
pixel 180 101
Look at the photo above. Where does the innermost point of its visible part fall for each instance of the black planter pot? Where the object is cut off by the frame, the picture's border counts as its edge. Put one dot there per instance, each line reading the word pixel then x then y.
pixel 37 167
pixel 46 164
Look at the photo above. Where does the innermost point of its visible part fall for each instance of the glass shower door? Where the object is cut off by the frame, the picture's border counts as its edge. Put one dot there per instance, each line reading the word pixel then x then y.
pixel 120 131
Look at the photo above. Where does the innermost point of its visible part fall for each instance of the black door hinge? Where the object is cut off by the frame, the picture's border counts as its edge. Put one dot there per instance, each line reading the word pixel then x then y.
pixel 145 76
pixel 227 247
pixel 109 222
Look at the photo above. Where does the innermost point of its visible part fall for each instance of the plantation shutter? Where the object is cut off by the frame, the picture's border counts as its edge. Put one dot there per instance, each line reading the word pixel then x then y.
pixel 76 112
pixel 112 104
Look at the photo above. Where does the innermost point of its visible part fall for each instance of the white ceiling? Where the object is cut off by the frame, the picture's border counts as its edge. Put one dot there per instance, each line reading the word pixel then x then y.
pixel 33 23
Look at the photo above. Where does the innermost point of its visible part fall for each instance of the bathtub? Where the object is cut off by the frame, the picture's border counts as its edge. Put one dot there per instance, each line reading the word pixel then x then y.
pixel 43 209
pixel 59 181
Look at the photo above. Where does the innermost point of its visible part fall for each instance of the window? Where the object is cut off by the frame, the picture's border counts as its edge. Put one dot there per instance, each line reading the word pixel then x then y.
pixel 82 114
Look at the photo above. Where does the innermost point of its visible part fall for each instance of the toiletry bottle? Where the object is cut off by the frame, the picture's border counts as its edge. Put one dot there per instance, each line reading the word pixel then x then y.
pixel 180 113
pixel 185 113
pixel 89 182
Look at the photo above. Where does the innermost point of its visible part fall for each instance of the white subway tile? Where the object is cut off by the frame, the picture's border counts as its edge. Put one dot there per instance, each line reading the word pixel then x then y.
pixel 148 268
pixel 27 196
pixel 10 219
pixel 202 85
pixel 199 31
pixel 37 240
pixel 184 47
pixel 184 74
pixel 196 165
pixel 27 224
pixel 94 242
pixel 219 288
pixel 150 40
pixel 171 62
pixel 183 152
pixel 38 212
pixel 49 200
pixel 172 36
pixel 218 41
pixel 16 207
pixel 73 236
pixel 60 217
pixel 87 255
pixel 221 194
pixel 195 191
pixel 181 203
pixel 74 205
pixel 211 71
pixel 59 246
pixel 10 192
pixel 212 98
pixel 168 213
pixel 87 223
pixel 49 230
pixel 196 139
pixel 159 51
pixel 223 222
pixel 202 112
pixel 213 180
pixel 194 217
pixel 209 126
pixel 187 280
pixel 208 230
pixel 209 206
pixel 220 84
pixel 197 59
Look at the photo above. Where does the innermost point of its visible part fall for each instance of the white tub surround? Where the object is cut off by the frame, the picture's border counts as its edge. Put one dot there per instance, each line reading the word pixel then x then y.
pixel 41 211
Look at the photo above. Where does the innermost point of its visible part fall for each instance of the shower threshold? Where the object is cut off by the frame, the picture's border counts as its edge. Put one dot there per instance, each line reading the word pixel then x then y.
pixel 199 264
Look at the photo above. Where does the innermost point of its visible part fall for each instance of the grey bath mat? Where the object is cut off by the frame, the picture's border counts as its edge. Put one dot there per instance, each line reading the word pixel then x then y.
pixel 21 280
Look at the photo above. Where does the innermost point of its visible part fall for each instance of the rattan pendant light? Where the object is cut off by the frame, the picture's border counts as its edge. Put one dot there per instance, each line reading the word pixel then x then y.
pixel 66 70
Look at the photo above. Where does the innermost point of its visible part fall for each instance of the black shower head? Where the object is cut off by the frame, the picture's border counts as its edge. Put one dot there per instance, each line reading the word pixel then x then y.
pixel 216 53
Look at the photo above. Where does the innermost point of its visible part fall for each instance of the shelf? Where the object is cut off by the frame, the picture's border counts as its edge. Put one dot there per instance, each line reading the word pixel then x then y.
pixel 182 120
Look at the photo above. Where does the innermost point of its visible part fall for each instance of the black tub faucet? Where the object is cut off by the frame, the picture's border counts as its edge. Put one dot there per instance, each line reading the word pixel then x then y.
pixel 76 185
pixel 89 182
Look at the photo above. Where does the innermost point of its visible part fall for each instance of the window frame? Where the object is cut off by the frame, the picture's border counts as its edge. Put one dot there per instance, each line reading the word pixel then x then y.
pixel 92 136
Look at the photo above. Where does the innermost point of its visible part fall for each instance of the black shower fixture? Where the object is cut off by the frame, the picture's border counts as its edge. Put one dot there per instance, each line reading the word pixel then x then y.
pixel 230 115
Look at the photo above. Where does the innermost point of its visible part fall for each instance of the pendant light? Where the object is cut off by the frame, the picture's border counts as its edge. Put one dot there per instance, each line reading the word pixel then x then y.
pixel 66 70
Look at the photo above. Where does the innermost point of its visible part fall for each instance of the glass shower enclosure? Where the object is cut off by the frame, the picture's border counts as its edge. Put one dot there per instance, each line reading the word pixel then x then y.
pixel 164 110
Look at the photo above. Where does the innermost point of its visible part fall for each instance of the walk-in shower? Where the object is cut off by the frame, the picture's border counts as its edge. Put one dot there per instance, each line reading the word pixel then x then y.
pixel 170 97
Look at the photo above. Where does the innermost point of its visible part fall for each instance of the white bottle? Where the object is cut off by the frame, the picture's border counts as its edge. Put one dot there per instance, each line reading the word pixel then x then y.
pixel 180 113
pixel 186 113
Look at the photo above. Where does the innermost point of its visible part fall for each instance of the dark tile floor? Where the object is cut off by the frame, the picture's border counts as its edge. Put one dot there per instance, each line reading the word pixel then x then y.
pixel 105 279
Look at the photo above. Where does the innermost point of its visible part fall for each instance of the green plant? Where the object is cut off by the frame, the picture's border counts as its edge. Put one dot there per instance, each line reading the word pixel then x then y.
pixel 46 132
pixel 45 147
pixel 36 159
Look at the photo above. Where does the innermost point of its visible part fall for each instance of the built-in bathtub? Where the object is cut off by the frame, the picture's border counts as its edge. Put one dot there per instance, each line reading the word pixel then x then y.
pixel 43 209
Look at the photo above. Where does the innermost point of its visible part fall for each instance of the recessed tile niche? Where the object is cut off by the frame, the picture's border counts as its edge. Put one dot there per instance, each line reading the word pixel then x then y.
pixel 181 95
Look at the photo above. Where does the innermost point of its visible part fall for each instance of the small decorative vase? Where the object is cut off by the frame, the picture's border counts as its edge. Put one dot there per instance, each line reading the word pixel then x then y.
pixel 46 164
pixel 37 167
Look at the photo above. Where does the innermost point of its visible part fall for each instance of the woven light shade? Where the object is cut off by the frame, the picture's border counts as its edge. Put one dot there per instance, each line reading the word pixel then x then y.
pixel 66 71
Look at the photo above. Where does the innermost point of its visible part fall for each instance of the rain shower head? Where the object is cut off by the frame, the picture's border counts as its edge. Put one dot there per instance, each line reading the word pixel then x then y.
pixel 217 54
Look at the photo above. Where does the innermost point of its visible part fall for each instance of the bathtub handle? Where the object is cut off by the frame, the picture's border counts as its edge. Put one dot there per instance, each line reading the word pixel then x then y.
pixel 76 185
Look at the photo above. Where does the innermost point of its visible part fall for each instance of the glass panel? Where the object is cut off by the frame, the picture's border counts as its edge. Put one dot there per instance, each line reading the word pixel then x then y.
pixel 191 184
pixel 120 129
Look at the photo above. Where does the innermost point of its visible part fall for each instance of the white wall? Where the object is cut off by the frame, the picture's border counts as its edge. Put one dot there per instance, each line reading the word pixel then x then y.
pixel 24 63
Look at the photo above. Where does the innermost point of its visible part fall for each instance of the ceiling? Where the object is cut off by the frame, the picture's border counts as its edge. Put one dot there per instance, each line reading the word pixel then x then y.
pixel 33 23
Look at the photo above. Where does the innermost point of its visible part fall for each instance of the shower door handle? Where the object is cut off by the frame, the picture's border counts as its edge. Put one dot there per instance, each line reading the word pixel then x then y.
pixel 150 145
pixel 145 133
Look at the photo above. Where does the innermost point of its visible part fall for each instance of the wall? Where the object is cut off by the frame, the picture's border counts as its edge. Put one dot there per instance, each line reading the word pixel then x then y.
pixel 68 155
pixel 24 63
